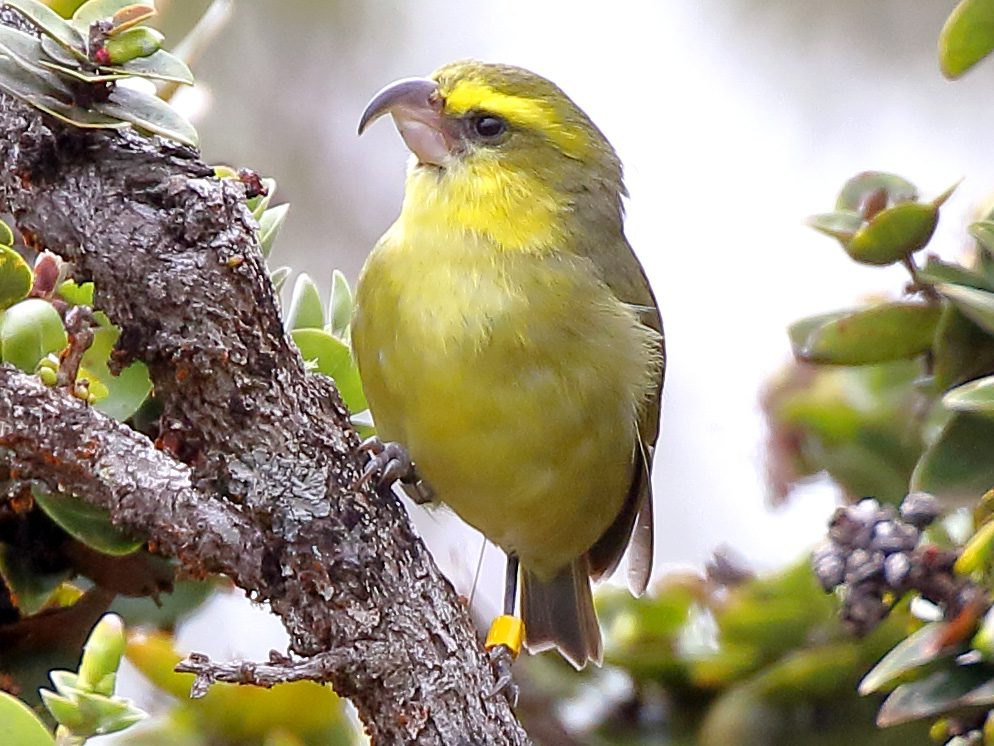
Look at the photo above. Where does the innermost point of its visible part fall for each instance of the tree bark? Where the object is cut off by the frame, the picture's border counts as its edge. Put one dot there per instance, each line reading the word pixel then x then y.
pixel 257 460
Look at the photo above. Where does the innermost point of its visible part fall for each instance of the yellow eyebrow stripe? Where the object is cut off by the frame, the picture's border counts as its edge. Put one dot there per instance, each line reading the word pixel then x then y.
pixel 530 113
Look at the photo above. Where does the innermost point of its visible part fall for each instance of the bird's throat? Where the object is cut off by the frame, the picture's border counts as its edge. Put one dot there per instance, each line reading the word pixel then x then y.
pixel 512 210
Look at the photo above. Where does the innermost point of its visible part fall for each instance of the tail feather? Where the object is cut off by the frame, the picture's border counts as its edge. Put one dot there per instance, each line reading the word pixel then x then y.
pixel 559 613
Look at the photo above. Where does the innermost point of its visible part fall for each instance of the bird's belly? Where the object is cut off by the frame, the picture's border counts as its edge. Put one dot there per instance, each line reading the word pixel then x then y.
pixel 514 410
pixel 535 470
pixel 539 470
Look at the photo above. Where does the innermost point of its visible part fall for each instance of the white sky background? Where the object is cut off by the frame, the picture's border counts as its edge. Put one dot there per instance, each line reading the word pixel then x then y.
pixel 735 119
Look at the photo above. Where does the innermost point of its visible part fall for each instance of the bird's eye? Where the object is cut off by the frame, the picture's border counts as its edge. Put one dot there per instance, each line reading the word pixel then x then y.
pixel 488 127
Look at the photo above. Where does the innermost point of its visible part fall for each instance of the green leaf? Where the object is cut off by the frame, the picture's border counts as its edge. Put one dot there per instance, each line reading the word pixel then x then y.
pixel 31 588
pixel 731 662
pixel 962 350
pixel 862 185
pixel 340 305
pixel 983 232
pixel 167 609
pixel 842 224
pixel 889 331
pixel 976 554
pixel 976 305
pixel 861 424
pixel 306 311
pixel 132 44
pixel 975 396
pixel 56 53
pixel 915 651
pixel 67 712
pixel 794 602
pixel 48 22
pixel 938 693
pixel 31 84
pixel 88 524
pixel 983 640
pixel 21 44
pixel 279 277
pixel 160 65
pixel 101 10
pixel 894 233
pixel 76 115
pixel 88 714
pixel 29 331
pixel 148 113
pixel 76 295
pixel 944 197
pixel 130 16
pixel 938 272
pixel 967 37
pixel 957 466
pixel 19 725
pixel 25 50
pixel 15 277
pixel 269 227
pixel 857 423
pixel 800 331
pixel 334 359
pixel 629 622
pixel 75 73
pixel 113 714
pixel 125 392
pixel 102 654
pixel 878 463
pixel 802 674
pixel 221 171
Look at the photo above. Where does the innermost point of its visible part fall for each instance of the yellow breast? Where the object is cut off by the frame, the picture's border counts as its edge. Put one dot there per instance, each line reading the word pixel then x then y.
pixel 509 371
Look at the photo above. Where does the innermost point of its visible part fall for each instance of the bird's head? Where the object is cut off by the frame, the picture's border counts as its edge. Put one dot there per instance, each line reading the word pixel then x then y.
pixel 498 143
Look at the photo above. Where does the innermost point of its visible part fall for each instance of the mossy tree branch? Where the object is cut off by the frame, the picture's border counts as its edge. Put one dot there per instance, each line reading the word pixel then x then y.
pixel 257 460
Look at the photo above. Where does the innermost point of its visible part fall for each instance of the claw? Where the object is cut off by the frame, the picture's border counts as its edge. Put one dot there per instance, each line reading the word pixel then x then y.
pixel 501 659
pixel 371 445
pixel 419 492
pixel 393 470
pixel 389 463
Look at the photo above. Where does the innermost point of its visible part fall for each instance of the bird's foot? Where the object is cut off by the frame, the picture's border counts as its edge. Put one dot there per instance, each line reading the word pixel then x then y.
pixel 501 660
pixel 504 640
pixel 389 463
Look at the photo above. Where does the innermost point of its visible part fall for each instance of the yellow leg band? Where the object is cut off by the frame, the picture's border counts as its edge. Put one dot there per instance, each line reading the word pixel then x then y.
pixel 508 631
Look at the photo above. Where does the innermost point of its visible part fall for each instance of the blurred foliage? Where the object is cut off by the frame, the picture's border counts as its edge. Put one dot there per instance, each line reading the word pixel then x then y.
pixel 892 397
pixel 885 397
pixel 82 703
pixel 723 659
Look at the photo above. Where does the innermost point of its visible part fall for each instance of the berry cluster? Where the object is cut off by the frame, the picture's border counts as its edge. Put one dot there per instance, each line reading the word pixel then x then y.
pixel 872 553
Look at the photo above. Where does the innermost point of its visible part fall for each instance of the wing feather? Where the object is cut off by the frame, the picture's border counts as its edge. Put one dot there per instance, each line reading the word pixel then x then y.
pixel 633 529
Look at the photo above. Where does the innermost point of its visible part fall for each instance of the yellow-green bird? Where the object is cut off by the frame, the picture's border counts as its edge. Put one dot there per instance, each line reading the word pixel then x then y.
pixel 508 338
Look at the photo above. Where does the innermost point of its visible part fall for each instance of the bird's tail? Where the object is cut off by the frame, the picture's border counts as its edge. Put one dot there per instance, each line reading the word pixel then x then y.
pixel 559 613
